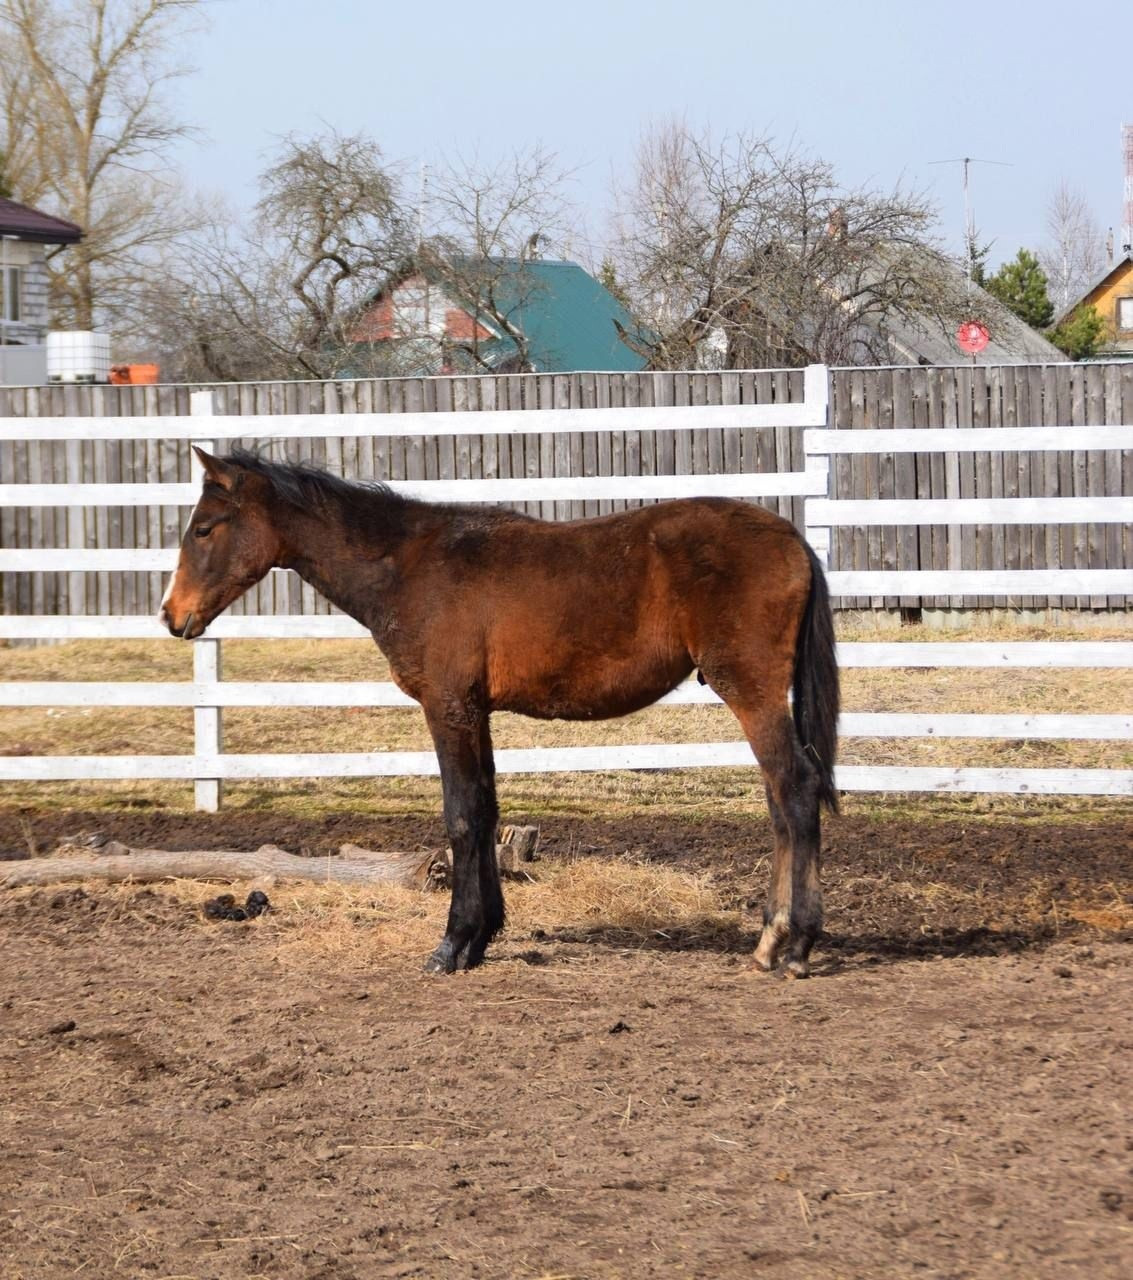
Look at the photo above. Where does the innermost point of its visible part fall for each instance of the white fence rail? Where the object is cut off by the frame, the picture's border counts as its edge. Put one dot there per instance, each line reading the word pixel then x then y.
pixel 207 695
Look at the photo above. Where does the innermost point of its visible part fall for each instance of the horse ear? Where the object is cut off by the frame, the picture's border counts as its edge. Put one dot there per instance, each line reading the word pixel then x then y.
pixel 217 470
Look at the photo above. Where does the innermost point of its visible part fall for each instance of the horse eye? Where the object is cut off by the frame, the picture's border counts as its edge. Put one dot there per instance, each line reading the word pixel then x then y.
pixel 202 531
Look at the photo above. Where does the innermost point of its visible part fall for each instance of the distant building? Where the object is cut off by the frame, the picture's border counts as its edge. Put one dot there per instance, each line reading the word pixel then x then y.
pixel 762 331
pixel 24 233
pixel 1111 295
pixel 421 323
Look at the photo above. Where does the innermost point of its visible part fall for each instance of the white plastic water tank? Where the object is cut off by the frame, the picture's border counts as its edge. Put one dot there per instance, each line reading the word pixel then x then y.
pixel 78 356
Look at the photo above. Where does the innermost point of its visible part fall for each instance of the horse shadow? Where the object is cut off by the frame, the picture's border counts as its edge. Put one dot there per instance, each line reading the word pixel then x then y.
pixel 835 952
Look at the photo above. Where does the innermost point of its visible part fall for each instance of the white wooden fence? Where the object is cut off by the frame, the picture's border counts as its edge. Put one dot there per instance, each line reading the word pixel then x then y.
pixel 208 694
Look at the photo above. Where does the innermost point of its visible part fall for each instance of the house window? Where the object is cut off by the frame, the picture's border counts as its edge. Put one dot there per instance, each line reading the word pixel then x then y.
pixel 10 294
pixel 1125 314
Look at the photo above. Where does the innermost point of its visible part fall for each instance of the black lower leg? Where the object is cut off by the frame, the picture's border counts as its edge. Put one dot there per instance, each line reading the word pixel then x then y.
pixel 476 912
pixel 806 882
pixel 776 910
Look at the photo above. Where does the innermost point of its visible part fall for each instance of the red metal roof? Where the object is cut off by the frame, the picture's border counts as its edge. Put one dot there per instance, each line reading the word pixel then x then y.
pixel 30 224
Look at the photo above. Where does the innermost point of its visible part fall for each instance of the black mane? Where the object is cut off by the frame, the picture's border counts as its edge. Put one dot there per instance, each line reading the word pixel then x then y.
pixel 305 486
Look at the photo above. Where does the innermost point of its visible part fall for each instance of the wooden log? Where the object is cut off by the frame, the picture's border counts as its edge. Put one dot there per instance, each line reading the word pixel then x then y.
pixel 112 861
pixel 117 862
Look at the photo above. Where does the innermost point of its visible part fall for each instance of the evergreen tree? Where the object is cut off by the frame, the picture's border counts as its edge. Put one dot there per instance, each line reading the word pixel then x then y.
pixel 1021 286
pixel 978 257
pixel 1080 335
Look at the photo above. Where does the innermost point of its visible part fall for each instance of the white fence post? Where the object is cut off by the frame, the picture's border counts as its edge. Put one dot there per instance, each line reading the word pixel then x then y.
pixel 816 384
pixel 207 725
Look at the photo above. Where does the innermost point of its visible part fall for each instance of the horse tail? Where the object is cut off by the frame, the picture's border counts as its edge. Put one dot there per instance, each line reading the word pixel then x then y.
pixel 816 693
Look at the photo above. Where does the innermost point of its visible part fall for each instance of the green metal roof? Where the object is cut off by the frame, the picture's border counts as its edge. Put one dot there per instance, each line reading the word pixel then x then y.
pixel 566 315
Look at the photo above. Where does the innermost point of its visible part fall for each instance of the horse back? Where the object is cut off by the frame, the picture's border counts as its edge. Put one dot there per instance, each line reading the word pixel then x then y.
pixel 594 618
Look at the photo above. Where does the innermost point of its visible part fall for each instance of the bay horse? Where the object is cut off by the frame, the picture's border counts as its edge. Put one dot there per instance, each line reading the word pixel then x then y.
pixel 482 609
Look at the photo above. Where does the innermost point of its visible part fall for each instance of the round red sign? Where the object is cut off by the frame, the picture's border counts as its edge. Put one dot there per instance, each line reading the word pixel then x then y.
pixel 972 336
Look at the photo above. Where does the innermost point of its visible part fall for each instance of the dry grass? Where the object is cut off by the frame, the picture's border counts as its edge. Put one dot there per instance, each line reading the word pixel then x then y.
pixel 110 730
pixel 622 901
pixel 359 927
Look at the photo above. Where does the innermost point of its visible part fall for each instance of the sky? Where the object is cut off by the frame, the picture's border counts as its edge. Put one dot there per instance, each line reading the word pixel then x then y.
pixel 880 89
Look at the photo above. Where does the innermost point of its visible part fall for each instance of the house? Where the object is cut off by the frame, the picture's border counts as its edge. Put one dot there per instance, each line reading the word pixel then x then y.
pixel 1111 295
pixel 505 315
pixel 776 315
pixel 24 235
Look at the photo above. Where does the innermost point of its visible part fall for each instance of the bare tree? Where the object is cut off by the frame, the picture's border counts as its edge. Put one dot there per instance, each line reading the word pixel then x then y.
pixel 1074 254
pixel 486 224
pixel 745 253
pixel 280 297
pixel 86 134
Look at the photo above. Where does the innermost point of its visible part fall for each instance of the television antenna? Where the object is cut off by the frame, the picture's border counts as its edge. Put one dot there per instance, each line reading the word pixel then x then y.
pixel 969 220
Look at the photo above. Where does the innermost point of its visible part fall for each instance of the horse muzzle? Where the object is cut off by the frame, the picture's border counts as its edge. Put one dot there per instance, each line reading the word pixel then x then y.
pixel 188 628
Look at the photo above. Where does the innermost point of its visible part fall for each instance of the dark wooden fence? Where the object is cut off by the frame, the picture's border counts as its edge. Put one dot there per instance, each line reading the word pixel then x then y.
pixel 981 396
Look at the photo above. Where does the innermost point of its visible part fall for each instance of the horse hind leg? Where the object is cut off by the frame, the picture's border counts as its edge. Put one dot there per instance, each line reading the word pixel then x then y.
pixel 792 918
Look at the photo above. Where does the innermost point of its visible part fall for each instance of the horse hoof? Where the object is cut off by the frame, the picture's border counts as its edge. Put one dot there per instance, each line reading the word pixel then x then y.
pixel 466 958
pixel 440 961
pixel 759 966
pixel 798 968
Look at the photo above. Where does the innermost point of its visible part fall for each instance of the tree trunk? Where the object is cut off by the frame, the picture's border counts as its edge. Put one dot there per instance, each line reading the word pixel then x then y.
pixel 415 870
pixel 353 865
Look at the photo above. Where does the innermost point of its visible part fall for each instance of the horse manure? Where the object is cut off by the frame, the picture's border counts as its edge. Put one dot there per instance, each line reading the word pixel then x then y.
pixel 257 903
pixel 224 907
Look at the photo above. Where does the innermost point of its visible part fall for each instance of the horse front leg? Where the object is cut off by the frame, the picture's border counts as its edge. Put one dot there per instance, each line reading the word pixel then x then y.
pixel 468 781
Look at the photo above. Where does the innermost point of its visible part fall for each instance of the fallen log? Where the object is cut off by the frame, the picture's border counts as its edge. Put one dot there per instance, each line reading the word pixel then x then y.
pixel 112 861
pixel 115 862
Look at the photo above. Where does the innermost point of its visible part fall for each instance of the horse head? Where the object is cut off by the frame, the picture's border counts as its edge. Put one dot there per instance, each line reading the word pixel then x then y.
pixel 229 545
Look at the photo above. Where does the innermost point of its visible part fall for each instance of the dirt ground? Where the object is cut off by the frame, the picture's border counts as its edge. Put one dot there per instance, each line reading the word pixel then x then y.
pixel 948 1097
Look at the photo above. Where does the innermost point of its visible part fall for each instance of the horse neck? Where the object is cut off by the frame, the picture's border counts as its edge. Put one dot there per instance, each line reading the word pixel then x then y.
pixel 344 553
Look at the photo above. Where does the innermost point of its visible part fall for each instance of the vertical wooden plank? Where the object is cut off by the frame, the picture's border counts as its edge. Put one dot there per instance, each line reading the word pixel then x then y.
pixel 713 392
pixel 730 392
pixel 782 440
pixel 1009 417
pixel 1069 541
pixel 8 588
pixel 1100 474
pixel 682 439
pixel 464 466
pixel 489 444
pixel 1022 465
pixel 1035 547
pixel 997 551
pixel 904 473
pixel 938 386
pixel 1051 464
pixel 648 435
pixel 919 394
pixel 866 485
pixel 632 436
pixel 556 454
pixel 603 443
pixel 981 480
pixel 1125 375
pixel 879 414
pixel 964 470
pixel 567 395
pixel 587 398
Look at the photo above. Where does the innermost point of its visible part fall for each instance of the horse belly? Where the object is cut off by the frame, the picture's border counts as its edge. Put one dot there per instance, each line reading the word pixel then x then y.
pixel 600 690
